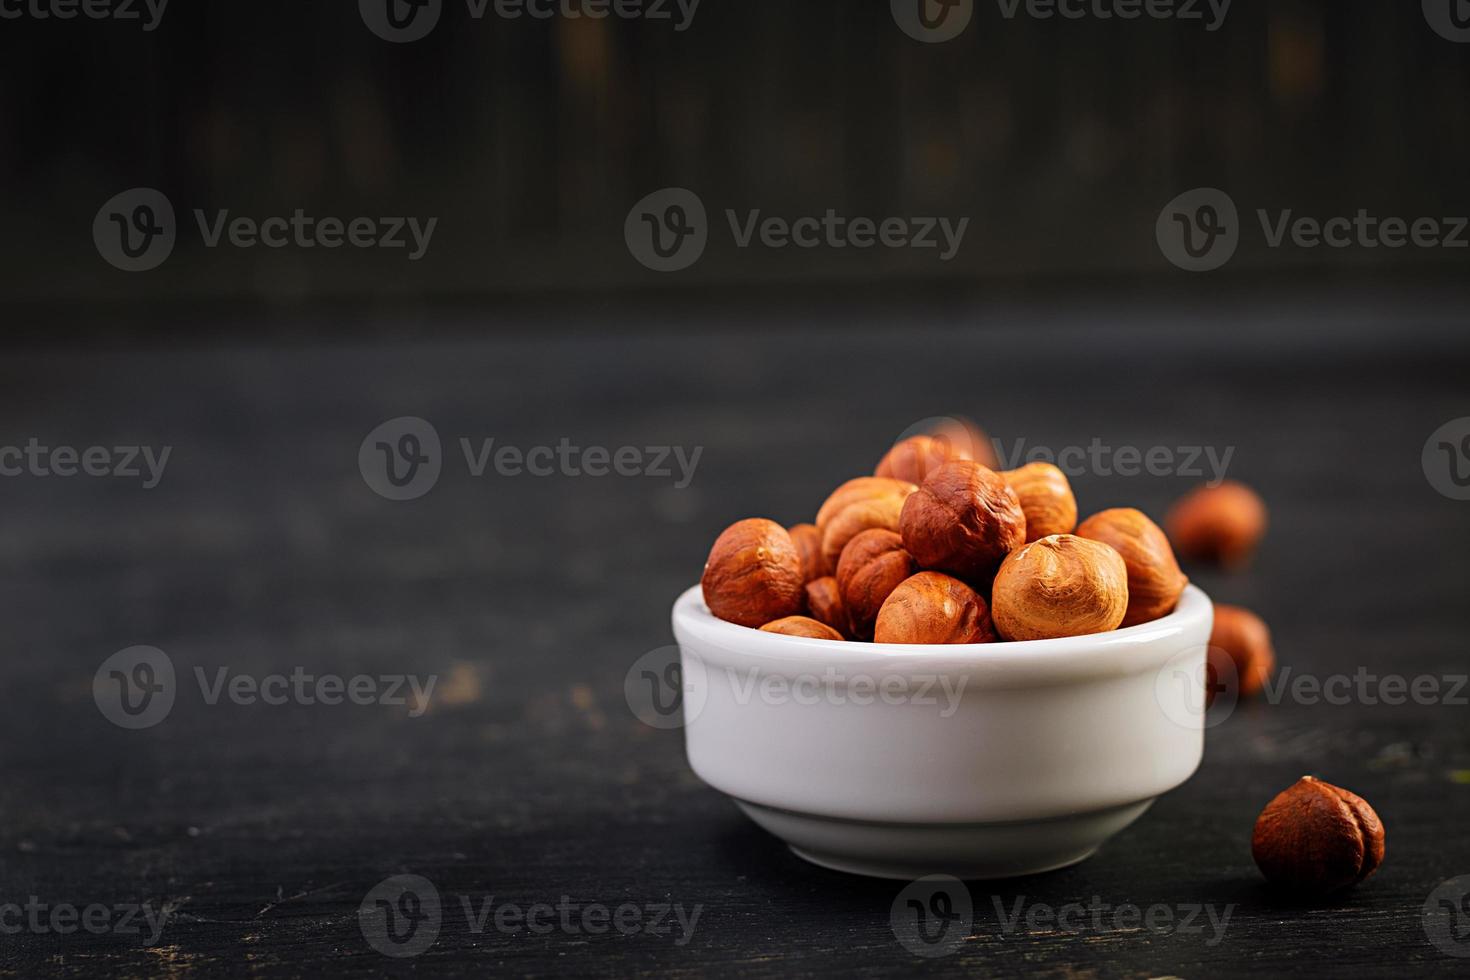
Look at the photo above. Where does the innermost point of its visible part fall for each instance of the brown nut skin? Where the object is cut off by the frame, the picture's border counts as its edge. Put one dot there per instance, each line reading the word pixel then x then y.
pixel 824 603
pixel 1221 524
pixel 932 607
pixel 1060 586
pixel 872 566
pixel 1240 648
pixel 968 436
pixel 753 574
pixel 963 520
pixel 1046 498
pixel 808 541
pixel 914 458
pixel 862 515
pixel 858 489
pixel 1154 579
pixel 801 626
pixel 1315 838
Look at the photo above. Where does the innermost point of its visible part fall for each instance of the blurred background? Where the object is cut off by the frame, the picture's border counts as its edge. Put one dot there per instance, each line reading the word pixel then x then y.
pixel 529 139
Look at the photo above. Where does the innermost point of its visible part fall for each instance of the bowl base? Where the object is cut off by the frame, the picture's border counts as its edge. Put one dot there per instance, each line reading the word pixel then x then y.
pixel 970 851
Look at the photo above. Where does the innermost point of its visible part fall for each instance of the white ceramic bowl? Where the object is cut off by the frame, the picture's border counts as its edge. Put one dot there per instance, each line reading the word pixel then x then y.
pixel 977 760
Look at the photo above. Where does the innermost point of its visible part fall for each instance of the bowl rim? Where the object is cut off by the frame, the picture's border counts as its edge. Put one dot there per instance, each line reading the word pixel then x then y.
pixel 692 617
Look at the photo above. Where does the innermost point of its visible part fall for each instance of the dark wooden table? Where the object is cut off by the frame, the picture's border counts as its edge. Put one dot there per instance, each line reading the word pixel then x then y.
pixel 258 830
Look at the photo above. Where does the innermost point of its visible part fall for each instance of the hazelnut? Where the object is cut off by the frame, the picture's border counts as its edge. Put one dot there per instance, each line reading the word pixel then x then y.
pixel 858 489
pixel 824 602
pixel 871 567
pixel 915 457
pixel 753 574
pixel 1317 838
pixel 808 541
pixel 1154 579
pixel 1060 586
pixel 864 515
pixel 1046 498
pixel 801 626
pixel 932 607
pixel 966 435
pixel 963 520
pixel 1240 647
pixel 1220 524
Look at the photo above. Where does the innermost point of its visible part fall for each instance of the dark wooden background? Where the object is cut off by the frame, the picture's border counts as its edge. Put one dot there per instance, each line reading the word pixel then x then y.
pixel 261 828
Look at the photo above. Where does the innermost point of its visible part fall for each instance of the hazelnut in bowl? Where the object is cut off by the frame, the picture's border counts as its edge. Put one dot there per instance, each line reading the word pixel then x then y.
pixel 993 729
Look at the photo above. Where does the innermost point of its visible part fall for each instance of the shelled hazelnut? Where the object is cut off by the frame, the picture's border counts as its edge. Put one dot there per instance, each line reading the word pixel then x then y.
pixel 871 567
pixel 1046 499
pixel 932 607
pixel 753 574
pixel 859 505
pixel 824 602
pixel 808 541
pixel 1240 647
pixel 801 626
pixel 964 520
pixel 917 456
pixel 1316 838
pixel 1154 579
pixel 1221 524
pixel 1062 585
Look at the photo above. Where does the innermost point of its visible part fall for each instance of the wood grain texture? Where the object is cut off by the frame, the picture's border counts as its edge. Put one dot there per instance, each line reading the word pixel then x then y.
pixel 260 829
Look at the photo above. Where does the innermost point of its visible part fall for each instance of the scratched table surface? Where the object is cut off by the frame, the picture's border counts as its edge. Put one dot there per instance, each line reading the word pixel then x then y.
pixel 237 836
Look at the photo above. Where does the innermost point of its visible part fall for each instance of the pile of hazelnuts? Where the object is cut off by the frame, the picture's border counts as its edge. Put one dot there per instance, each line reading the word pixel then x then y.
pixel 941 546
pixel 938 546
